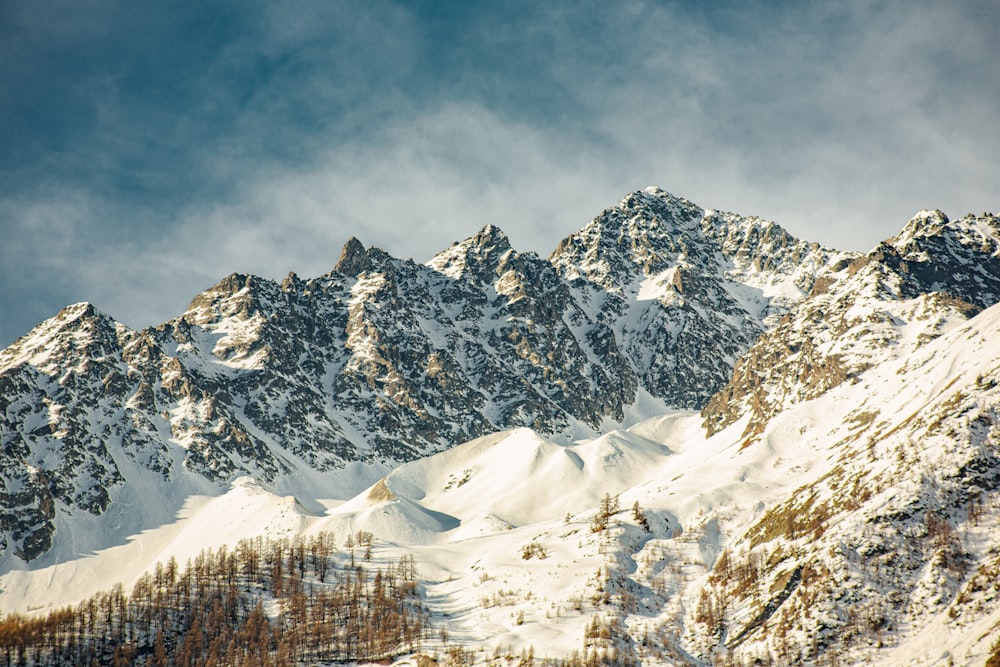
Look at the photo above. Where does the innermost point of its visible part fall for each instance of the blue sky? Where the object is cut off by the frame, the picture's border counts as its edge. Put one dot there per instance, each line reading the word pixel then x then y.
pixel 149 149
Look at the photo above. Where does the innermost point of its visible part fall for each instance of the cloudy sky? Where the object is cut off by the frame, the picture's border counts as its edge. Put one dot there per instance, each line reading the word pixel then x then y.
pixel 148 149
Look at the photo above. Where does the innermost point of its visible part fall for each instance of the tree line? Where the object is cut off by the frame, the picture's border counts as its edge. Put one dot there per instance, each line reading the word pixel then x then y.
pixel 265 603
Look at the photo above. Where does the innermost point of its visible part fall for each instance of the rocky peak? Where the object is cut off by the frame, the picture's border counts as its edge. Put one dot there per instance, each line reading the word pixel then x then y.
pixel 960 257
pixel 652 238
pixel 79 329
pixel 491 239
pixel 482 254
pixel 292 283
pixel 700 286
pixel 76 310
pixel 648 216
pixel 924 223
pixel 353 258
pixel 646 233
pixel 237 295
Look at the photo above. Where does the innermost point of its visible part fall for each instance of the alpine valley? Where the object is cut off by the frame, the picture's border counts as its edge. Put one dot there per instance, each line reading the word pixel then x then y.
pixel 684 438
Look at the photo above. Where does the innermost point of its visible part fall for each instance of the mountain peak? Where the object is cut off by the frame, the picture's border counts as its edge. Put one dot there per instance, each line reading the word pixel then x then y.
pixel 75 310
pixel 662 201
pixel 935 215
pixel 656 192
pixel 643 234
pixel 353 258
pixel 924 223
pixel 491 237
pixel 74 328
pixel 486 247
pixel 73 314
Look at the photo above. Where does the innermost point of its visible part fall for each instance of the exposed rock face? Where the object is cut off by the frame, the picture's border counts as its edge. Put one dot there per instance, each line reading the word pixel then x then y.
pixel 887 303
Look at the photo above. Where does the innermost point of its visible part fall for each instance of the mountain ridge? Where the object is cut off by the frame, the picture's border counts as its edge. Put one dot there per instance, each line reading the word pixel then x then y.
pixel 902 294
pixel 384 360
pixel 809 438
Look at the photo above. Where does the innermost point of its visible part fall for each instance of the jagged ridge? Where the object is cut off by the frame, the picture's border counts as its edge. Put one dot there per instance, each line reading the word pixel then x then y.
pixel 385 360
pixel 909 290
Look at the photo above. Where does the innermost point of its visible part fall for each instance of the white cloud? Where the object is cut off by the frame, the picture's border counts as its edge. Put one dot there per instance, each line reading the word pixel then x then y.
pixel 419 186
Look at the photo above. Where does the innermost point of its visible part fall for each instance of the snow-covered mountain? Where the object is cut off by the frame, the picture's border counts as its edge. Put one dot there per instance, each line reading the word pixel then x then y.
pixel 384 360
pixel 885 304
pixel 685 438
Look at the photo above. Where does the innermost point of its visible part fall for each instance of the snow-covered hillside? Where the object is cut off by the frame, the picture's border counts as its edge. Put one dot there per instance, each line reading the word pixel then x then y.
pixel 837 501
pixel 861 522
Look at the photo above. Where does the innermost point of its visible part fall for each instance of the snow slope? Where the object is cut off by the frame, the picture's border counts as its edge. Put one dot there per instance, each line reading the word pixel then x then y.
pixel 468 514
